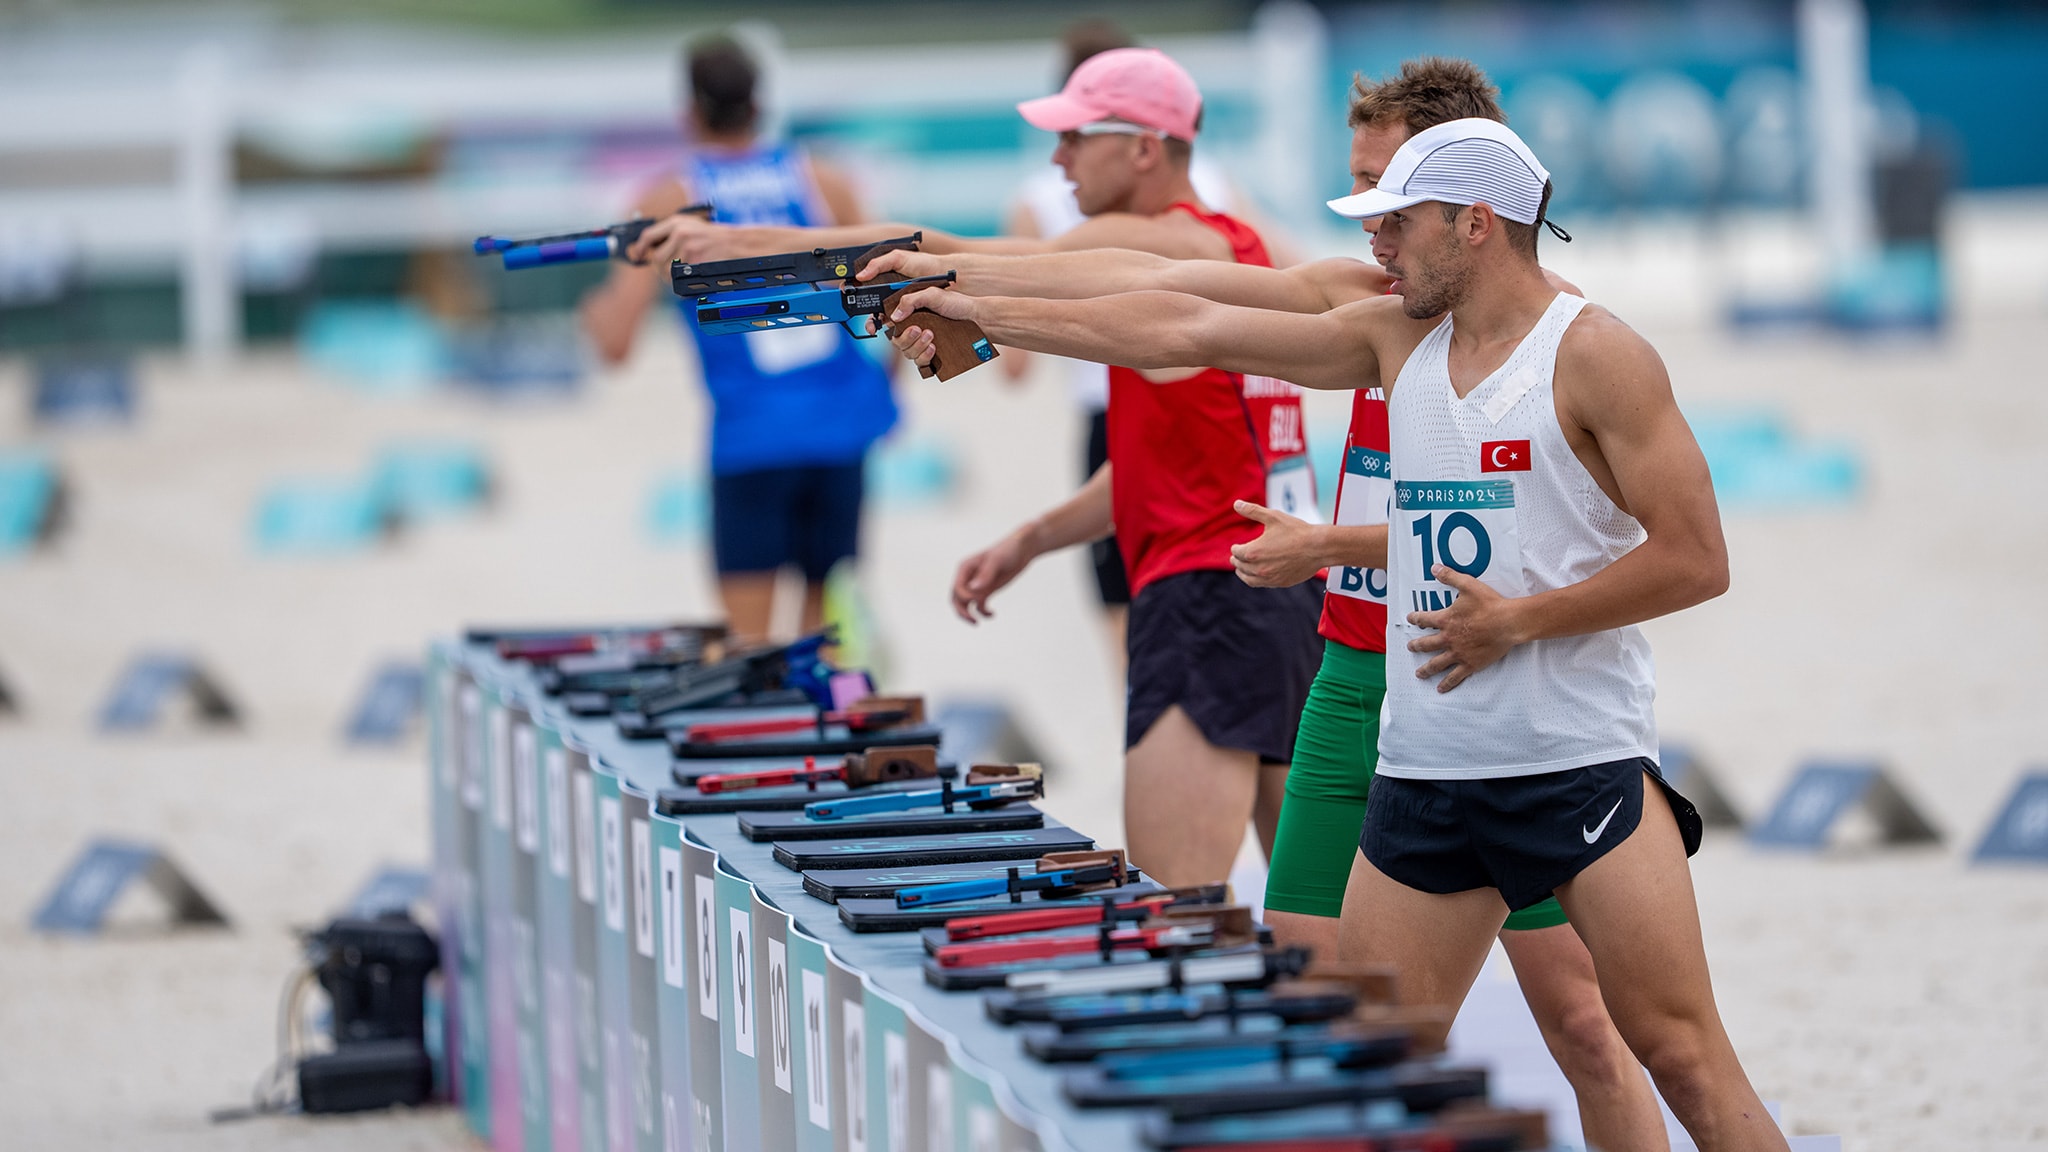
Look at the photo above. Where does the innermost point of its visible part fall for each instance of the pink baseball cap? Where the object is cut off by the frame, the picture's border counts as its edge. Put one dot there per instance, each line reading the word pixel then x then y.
pixel 1141 85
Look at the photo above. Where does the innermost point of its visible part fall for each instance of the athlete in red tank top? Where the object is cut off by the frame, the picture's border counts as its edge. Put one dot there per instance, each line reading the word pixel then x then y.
pixel 1355 605
pixel 1183 451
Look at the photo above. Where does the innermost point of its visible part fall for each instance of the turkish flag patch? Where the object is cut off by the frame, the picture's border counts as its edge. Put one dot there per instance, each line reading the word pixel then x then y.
pixel 1504 456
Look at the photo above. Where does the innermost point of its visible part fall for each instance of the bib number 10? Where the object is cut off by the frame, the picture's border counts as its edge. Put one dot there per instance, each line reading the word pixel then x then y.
pixel 1449 539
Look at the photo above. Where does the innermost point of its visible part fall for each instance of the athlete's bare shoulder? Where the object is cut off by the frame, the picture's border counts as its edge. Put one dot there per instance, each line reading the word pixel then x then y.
pixel 663 197
pixel 1600 342
pixel 1175 235
pixel 1605 367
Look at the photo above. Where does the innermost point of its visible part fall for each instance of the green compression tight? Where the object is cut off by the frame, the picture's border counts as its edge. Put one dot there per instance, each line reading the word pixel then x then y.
pixel 1335 751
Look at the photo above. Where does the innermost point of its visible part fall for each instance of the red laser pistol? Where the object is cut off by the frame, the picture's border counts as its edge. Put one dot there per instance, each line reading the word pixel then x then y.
pixel 859 770
pixel 1084 914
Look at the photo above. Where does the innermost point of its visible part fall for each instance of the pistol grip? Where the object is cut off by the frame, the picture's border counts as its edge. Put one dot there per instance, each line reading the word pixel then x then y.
pixel 958 345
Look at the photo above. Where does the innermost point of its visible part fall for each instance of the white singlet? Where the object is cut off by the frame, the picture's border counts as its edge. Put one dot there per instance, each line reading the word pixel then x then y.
pixel 1488 486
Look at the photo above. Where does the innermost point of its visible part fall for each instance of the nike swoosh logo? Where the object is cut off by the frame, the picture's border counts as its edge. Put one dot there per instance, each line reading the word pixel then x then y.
pixel 1593 833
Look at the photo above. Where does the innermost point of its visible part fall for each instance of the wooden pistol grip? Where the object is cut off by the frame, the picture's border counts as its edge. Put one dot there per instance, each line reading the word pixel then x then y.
pixel 957 345
pixel 909 762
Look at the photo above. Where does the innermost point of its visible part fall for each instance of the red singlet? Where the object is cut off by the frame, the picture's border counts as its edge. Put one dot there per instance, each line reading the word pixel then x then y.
pixel 1355 607
pixel 1182 452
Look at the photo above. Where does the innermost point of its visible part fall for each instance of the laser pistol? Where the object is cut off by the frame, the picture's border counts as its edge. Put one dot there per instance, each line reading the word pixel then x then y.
pixel 763 293
pixel 576 247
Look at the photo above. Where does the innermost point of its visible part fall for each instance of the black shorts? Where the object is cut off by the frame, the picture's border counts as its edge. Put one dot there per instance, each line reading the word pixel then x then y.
pixel 1238 660
pixel 807 516
pixel 1522 835
pixel 1110 581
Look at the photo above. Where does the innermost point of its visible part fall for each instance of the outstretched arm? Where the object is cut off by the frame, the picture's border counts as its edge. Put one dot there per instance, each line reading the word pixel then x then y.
pixel 611 312
pixel 1314 287
pixel 1173 235
pixel 1614 401
pixel 1334 349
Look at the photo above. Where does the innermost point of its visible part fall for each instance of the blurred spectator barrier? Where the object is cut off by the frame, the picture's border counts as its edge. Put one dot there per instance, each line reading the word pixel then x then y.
pixel 320 517
pixel 234 165
pixel 2021 831
pixel 1759 462
pixel 421 481
pixel 388 705
pixel 153 678
pixel 1822 793
pixel 390 891
pixel 75 391
pixel 30 500
pixel 89 889
pixel 1689 774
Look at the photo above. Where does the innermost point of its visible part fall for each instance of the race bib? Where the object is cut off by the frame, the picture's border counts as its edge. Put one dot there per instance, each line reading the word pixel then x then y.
pixel 788 349
pixel 1465 525
pixel 1291 488
pixel 1365 497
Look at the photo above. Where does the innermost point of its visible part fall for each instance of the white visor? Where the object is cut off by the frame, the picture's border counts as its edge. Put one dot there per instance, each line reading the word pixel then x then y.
pixel 1469 161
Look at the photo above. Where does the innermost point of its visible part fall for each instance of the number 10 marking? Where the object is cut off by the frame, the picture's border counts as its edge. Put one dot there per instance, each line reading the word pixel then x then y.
pixel 1439 543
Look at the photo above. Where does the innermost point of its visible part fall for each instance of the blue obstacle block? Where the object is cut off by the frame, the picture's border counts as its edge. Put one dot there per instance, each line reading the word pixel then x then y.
pixel 1820 794
pixel 1689 774
pixel 153 678
pixel 82 897
pixel 389 890
pixel 679 509
pixel 28 500
pixel 911 472
pixel 527 356
pixel 1758 461
pixel 379 346
pixel 2021 831
pixel 84 391
pixel 424 480
pixel 388 705
pixel 319 516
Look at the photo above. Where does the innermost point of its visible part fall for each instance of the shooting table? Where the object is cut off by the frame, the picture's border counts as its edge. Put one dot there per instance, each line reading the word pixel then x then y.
pixel 601 960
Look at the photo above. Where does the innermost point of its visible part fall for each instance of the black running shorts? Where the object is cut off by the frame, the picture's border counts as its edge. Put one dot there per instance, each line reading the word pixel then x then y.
pixel 1238 660
pixel 1522 835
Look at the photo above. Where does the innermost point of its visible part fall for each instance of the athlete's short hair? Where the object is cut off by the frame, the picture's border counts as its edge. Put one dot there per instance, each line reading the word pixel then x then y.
pixel 1426 92
pixel 1521 237
pixel 722 77
pixel 1433 90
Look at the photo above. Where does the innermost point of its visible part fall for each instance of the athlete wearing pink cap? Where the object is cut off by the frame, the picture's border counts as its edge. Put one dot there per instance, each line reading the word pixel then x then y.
pixel 1218 670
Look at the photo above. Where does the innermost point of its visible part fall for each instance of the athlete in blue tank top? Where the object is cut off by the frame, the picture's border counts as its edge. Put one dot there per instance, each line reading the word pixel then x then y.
pixel 793 412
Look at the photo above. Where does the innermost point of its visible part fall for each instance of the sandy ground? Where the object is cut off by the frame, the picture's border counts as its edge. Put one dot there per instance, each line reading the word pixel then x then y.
pixel 1899 998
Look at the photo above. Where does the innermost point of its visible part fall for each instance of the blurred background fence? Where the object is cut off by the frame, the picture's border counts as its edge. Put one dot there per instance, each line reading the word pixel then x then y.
pixel 303 171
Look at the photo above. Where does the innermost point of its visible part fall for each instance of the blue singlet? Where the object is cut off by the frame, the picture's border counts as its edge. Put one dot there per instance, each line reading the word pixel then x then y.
pixel 800 396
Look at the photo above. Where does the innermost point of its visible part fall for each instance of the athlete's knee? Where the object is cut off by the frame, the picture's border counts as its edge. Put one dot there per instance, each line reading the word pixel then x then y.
pixel 1585 1043
pixel 1683 1058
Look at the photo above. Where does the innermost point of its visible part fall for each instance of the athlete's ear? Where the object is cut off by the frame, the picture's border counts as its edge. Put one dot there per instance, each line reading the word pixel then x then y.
pixel 1481 223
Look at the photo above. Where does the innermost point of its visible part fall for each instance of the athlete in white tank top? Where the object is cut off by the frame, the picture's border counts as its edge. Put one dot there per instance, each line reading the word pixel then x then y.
pixel 1487 485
